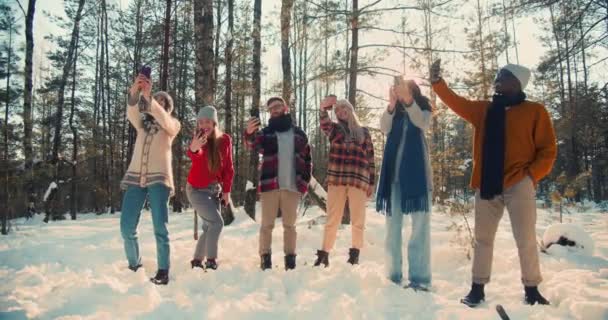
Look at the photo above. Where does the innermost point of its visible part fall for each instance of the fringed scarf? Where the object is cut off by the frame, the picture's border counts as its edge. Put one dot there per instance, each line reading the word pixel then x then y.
pixel 412 168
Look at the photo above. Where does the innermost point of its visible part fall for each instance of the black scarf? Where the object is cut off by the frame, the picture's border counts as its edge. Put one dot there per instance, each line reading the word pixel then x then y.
pixel 493 158
pixel 280 123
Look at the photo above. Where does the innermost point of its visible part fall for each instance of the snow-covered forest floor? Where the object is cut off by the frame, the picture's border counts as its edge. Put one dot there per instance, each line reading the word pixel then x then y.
pixel 77 270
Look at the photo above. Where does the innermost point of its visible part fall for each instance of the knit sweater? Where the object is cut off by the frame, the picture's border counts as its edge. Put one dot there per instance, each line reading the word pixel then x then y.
pixel 200 176
pixel 151 160
pixel 530 146
pixel 265 142
pixel 350 163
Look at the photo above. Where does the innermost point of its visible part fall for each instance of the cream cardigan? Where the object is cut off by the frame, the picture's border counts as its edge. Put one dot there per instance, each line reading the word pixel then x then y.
pixel 151 161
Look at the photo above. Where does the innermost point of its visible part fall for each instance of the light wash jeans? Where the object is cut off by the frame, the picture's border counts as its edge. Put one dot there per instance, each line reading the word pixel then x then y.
pixel 419 245
pixel 132 203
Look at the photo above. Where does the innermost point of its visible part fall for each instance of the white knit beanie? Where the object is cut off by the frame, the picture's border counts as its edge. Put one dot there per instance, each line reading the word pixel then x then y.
pixel 520 72
pixel 207 112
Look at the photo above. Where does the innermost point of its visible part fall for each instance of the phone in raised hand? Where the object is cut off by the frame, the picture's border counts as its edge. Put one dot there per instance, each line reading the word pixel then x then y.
pixel 146 71
pixel 397 80
pixel 254 112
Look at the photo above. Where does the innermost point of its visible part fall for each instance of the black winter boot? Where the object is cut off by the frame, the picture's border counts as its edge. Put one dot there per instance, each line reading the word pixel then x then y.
pixel 196 263
pixel 211 264
pixel 533 296
pixel 353 256
pixel 134 268
pixel 290 262
pixel 162 277
pixel 266 261
pixel 475 297
pixel 322 258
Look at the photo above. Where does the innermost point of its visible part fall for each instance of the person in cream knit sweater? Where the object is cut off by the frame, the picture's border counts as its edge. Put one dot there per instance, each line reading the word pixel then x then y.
pixel 149 173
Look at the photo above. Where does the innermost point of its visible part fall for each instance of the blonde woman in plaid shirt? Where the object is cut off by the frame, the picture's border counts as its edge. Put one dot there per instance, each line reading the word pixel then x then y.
pixel 350 175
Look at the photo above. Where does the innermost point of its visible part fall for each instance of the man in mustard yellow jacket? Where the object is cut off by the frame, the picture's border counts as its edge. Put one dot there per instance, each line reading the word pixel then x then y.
pixel 513 148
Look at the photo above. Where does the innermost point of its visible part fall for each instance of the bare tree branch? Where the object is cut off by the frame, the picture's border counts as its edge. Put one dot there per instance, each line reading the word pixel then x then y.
pixel 21 7
pixel 413 48
pixel 373 96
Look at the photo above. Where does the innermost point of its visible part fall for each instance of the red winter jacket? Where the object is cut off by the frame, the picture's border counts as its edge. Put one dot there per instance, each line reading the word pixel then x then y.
pixel 200 175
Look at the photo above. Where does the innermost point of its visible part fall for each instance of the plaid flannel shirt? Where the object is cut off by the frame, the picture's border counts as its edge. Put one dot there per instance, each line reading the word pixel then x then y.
pixel 265 142
pixel 350 163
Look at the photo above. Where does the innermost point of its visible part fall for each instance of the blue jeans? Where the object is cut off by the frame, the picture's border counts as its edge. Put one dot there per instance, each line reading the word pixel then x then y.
pixel 419 245
pixel 132 203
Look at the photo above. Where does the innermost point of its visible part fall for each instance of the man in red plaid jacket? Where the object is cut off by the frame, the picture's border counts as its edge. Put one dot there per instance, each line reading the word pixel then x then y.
pixel 285 172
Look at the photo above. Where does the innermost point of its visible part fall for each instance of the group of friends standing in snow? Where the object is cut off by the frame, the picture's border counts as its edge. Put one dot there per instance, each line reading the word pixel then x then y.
pixel 513 148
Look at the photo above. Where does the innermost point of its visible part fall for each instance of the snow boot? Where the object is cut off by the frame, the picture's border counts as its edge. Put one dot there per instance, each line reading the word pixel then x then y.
pixel 322 258
pixel 211 264
pixel 134 268
pixel 290 262
pixel 418 287
pixel 196 263
pixel 161 277
pixel 533 296
pixel 475 297
pixel 353 256
pixel 266 262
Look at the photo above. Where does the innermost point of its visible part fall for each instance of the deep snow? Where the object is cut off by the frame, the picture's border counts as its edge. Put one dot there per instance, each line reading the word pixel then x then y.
pixel 77 270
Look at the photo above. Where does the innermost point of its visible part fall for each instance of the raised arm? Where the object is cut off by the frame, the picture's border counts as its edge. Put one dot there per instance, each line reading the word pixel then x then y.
pixel 133 113
pixel 420 118
pixel 327 126
pixel 252 137
pixel 164 119
pixel 471 111
pixel 132 98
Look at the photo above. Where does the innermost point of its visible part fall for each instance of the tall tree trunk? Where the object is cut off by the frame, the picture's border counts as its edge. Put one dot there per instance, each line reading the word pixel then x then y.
pixel 556 35
pixel 326 51
pixel 218 29
pixel 105 113
pixel 204 74
pixel 504 14
pixel 346 48
pixel 485 86
pixel 573 167
pixel 164 77
pixel 28 84
pixel 286 6
pixel 304 96
pixel 96 104
pixel 251 194
pixel 74 129
pixel 64 77
pixel 583 54
pixel 228 78
pixel 354 55
pixel 136 64
pixel 110 174
pixel 179 69
pixel 5 215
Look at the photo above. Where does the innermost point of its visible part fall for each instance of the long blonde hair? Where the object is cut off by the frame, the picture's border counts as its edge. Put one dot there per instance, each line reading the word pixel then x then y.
pixel 354 125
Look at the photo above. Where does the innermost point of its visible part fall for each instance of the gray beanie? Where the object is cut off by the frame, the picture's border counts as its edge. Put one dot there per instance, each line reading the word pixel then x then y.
pixel 208 112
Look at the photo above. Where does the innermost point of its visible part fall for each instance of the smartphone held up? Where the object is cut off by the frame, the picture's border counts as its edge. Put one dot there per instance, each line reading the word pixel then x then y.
pixel 144 105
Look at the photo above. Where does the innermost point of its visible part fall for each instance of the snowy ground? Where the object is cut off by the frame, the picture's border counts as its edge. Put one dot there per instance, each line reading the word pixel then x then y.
pixel 76 270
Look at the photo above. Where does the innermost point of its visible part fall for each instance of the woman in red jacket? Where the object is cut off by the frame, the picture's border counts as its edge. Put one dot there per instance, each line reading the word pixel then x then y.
pixel 209 183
